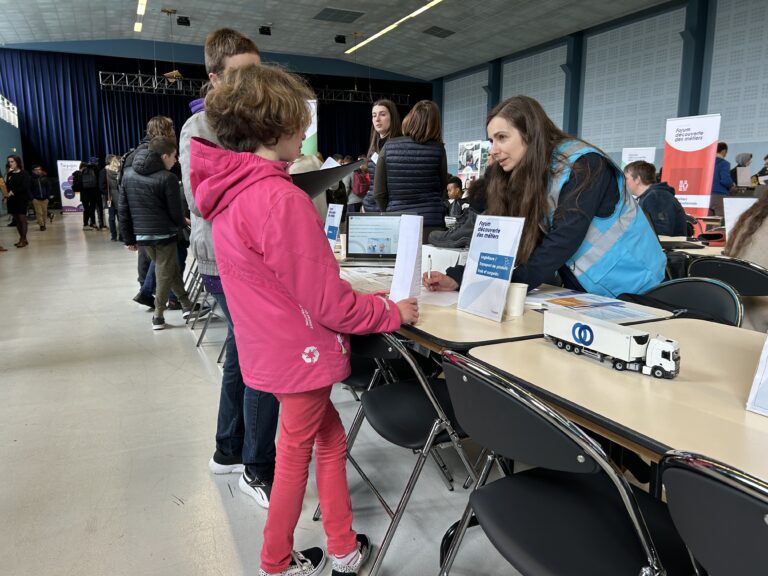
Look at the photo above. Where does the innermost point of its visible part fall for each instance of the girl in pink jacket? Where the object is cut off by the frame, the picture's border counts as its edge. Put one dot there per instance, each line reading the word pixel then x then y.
pixel 290 309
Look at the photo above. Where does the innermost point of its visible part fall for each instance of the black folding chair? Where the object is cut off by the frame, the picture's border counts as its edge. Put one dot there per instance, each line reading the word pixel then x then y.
pixel 573 514
pixel 413 413
pixel 720 512
pixel 747 278
pixel 702 298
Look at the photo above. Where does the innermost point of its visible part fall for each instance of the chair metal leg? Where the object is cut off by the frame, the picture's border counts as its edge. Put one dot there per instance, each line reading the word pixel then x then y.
pixel 459 530
pixel 436 428
pixel 444 472
pixel 221 352
pixel 468 481
pixel 207 322
pixel 200 310
pixel 192 267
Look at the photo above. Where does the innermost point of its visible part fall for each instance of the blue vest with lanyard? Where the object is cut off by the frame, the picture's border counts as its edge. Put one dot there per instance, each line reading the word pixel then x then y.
pixel 620 253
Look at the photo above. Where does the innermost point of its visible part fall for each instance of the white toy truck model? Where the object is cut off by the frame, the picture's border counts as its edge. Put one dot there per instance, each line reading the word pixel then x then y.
pixel 626 347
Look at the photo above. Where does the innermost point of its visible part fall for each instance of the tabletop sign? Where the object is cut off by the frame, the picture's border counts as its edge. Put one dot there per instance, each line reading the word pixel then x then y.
pixel 491 259
pixel 758 396
pixel 333 222
pixel 406 280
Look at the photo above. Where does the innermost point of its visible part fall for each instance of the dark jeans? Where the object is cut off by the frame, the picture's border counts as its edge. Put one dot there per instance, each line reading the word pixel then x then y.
pixel 98 207
pixel 89 211
pixel 247 421
pixel 113 231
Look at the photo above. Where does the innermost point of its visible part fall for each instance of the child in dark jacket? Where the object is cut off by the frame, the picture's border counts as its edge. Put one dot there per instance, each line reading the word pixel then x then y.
pixel 290 309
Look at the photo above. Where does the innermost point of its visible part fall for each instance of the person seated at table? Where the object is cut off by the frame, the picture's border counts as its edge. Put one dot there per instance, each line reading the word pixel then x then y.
pixel 743 160
pixel 657 199
pixel 412 170
pixel 764 170
pixel 454 205
pixel 749 241
pixel 579 220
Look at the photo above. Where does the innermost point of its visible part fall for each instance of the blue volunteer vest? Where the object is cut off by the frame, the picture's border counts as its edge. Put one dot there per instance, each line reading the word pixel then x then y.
pixel 620 254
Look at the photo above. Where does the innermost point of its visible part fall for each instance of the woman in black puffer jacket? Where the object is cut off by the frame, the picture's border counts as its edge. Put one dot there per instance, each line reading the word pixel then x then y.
pixel 412 171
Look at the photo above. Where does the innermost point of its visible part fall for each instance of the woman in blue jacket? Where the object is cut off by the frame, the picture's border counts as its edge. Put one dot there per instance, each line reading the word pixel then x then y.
pixel 412 170
pixel 580 222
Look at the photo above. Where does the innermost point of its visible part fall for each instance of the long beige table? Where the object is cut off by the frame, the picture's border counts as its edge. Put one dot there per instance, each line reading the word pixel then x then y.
pixel 442 327
pixel 702 410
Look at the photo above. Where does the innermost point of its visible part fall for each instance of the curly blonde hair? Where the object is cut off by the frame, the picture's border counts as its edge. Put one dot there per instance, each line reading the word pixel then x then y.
pixel 255 105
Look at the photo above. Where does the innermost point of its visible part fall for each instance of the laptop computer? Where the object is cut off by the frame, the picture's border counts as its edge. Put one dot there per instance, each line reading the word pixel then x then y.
pixel 372 239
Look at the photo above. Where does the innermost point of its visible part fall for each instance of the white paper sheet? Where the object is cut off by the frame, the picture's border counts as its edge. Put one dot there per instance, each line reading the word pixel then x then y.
pixel 758 395
pixel 406 281
pixel 329 163
pixel 443 299
pixel 734 208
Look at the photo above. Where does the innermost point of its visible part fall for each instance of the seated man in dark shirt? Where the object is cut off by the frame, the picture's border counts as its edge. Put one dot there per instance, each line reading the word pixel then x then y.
pixel 657 199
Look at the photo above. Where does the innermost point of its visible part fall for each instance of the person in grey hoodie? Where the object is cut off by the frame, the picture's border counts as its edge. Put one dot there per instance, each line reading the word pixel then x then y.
pixel 247 420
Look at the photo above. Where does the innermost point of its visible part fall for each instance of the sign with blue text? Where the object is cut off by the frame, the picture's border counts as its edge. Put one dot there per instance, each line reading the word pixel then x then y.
pixel 491 260
pixel 333 223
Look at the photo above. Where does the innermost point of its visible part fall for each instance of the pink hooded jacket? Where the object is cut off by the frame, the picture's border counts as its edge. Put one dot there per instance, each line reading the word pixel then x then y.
pixel 290 308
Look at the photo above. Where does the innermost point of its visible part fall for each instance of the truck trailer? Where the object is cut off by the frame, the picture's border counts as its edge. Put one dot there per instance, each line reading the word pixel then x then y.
pixel 627 348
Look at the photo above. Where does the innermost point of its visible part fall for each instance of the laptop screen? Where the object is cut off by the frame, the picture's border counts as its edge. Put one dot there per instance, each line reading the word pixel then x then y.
pixel 372 236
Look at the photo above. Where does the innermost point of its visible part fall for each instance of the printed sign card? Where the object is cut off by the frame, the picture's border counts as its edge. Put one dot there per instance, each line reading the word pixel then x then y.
pixel 333 223
pixel 758 395
pixel 406 281
pixel 491 259
pixel 633 154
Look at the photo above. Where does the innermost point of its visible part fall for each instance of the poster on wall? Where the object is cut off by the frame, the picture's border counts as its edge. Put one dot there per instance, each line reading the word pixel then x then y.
pixel 70 200
pixel 690 146
pixel 309 145
pixel 473 159
pixel 629 155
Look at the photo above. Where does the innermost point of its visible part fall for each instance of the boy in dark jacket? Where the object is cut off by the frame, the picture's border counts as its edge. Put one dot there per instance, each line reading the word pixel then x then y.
pixel 150 214
pixel 41 192
pixel 656 199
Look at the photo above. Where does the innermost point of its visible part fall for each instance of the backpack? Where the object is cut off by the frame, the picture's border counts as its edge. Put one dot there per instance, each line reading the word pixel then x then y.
pixel 89 178
pixel 360 183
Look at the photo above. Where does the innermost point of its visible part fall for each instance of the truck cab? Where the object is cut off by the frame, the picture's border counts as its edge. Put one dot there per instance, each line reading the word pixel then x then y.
pixel 662 359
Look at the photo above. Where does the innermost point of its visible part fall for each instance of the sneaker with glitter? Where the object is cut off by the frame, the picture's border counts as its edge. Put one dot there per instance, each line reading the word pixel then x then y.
pixel 305 563
pixel 351 565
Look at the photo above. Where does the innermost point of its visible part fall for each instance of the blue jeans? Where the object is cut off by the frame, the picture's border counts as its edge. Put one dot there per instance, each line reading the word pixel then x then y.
pixel 247 421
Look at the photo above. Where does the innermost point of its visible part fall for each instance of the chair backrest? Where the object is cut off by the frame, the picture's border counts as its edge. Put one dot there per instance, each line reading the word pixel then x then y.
pixel 704 298
pixel 373 346
pixel 721 514
pixel 748 278
pixel 500 415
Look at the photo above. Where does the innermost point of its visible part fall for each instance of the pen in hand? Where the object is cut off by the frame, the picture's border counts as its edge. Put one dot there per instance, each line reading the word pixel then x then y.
pixel 429 267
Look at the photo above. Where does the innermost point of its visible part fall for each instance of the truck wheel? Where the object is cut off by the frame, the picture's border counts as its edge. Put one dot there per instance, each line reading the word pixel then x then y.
pixel 618 365
pixel 560 344
pixel 577 350
pixel 658 373
pixel 568 347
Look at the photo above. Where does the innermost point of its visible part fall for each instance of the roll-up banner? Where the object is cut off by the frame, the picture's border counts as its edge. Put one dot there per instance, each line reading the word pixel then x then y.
pixel 690 146
pixel 70 200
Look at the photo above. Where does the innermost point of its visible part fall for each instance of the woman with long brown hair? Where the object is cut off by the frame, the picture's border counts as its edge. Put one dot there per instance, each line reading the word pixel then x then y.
pixel 385 124
pixel 580 222
pixel 749 241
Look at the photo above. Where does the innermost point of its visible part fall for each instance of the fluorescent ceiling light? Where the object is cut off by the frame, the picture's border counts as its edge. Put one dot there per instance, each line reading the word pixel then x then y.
pixel 395 25
pixel 140 10
pixel 137 27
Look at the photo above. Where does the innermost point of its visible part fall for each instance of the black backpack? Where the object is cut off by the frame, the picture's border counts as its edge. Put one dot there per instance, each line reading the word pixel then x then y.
pixel 90 180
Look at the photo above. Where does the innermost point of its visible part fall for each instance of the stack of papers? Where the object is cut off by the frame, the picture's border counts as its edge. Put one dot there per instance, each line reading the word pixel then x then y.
pixel 591 305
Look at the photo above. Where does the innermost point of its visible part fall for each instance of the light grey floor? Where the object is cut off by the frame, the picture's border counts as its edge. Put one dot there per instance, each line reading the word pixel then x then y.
pixel 106 428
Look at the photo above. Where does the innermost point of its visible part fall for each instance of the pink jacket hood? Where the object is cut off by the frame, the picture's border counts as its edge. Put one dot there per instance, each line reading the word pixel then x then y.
pixel 218 176
pixel 290 309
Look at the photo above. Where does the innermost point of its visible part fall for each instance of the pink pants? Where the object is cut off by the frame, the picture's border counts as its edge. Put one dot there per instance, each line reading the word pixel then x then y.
pixel 308 419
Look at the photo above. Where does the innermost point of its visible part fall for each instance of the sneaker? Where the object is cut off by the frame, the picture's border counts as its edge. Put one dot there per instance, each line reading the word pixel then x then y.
pixel 255 488
pixel 352 565
pixel 158 323
pixel 173 305
pixel 147 301
pixel 457 237
pixel 305 563
pixel 42 228
pixel 187 312
pixel 220 464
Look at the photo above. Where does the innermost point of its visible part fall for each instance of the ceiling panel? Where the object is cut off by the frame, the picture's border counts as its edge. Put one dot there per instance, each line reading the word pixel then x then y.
pixel 484 29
